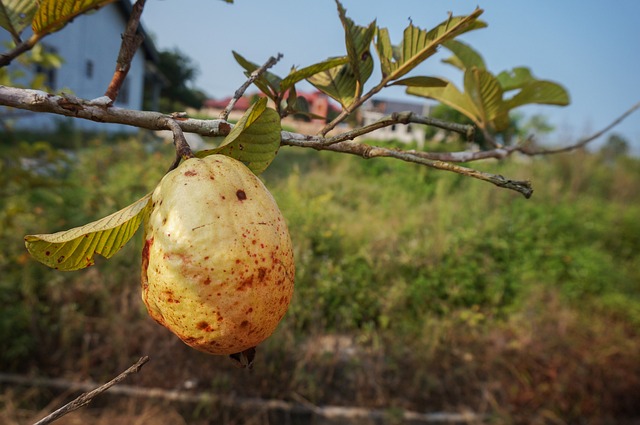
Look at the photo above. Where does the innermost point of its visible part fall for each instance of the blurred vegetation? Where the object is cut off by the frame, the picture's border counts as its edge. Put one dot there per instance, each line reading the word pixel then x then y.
pixel 415 289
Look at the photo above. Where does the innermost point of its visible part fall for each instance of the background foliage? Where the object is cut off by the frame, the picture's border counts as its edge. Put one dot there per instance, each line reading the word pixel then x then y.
pixel 429 291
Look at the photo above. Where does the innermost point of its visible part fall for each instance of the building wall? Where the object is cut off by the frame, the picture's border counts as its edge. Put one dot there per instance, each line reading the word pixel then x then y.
pixel 93 38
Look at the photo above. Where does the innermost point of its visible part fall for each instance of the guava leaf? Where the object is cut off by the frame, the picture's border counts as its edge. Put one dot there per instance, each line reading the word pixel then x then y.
pixel 485 92
pixel 449 95
pixel 420 81
pixel 254 140
pixel 419 44
pixel 52 15
pixel 338 83
pixel 267 82
pixel 464 56
pixel 357 40
pixel 542 92
pixel 516 78
pixel 74 249
pixel 306 72
pixel 16 15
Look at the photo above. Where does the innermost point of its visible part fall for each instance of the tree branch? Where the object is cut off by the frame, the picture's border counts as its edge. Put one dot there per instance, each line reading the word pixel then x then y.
pixel 367 151
pixel 88 397
pixel 98 110
pixel 254 75
pixel 7 58
pixel 401 118
pixel 131 41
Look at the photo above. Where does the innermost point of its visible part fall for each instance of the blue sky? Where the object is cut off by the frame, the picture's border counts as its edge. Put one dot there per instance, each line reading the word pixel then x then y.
pixel 591 47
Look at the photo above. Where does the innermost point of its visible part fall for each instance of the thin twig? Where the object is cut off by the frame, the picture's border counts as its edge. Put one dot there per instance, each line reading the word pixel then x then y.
pixel 401 118
pixel 254 76
pixel 96 110
pixel 87 398
pixel 585 141
pixel 26 45
pixel 131 41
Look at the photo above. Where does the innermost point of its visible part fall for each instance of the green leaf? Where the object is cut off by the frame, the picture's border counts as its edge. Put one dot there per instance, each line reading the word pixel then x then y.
pixel 517 78
pixel 418 44
pixel 267 82
pixel 75 248
pixel 464 56
pixel 358 40
pixel 542 92
pixel 486 94
pixel 16 15
pixel 254 140
pixel 296 76
pixel 421 82
pixel 338 83
pixel 53 15
pixel 451 96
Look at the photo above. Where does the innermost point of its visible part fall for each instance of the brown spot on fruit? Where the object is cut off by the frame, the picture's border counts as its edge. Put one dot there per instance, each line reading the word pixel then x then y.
pixel 202 325
pixel 207 281
pixel 241 195
pixel 190 173
pixel 244 324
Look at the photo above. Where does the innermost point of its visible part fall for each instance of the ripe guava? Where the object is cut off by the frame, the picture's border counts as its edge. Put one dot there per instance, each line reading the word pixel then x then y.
pixel 217 263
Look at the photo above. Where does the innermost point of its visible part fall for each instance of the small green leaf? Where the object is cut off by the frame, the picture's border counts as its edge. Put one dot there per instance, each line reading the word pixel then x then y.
pixel 267 82
pixel 53 15
pixel 485 92
pixel 464 56
pixel 451 96
pixel 254 140
pixel 75 248
pixel 306 72
pixel 542 92
pixel 358 40
pixel 418 44
pixel 515 79
pixel 338 83
pixel 16 15
pixel 421 82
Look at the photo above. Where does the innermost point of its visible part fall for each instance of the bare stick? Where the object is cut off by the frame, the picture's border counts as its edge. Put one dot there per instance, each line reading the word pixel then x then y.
pixel 254 75
pixel 401 118
pixel 131 41
pixel 8 57
pixel 86 398
pixel 584 141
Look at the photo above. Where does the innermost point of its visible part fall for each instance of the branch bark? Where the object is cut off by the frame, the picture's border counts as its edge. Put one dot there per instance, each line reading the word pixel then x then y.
pixel 88 397
pixel 101 111
pixel 131 41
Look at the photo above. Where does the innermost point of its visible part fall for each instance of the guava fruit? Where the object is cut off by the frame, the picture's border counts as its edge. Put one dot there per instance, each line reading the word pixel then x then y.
pixel 217 262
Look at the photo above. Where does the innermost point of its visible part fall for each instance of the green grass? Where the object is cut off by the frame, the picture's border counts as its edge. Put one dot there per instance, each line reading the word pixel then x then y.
pixel 452 292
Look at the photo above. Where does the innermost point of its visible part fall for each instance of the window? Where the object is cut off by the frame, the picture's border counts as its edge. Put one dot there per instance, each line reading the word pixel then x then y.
pixel 88 69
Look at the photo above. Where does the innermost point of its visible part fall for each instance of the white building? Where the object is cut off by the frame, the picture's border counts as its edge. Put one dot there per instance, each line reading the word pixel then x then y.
pixel 375 109
pixel 89 47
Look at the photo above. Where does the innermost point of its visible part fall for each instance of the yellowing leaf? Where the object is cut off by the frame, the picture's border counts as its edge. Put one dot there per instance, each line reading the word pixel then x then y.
pixel 52 15
pixel 16 15
pixel 74 249
pixel 254 140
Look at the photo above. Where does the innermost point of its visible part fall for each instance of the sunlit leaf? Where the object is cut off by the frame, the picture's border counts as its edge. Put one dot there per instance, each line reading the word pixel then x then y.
pixel 419 44
pixel 52 15
pixel 254 140
pixel 267 82
pixel 16 15
pixel 542 92
pixel 338 83
pixel 464 56
pixel 296 76
pixel 75 248
pixel 516 78
pixel 421 82
pixel 485 92
pixel 451 96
